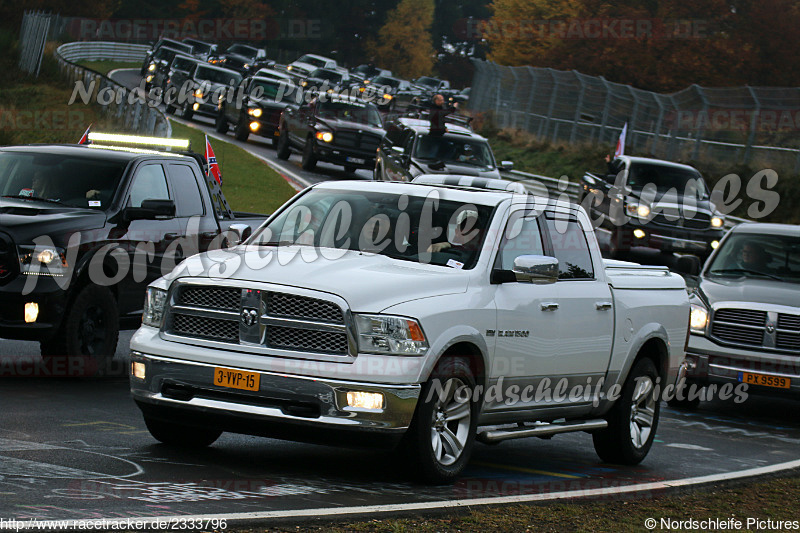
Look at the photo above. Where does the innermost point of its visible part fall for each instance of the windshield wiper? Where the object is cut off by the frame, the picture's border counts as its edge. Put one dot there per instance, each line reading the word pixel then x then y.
pixel 745 271
pixel 37 198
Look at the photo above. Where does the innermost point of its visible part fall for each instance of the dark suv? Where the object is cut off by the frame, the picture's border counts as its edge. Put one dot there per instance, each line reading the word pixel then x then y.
pixel 409 150
pixel 207 83
pixel 338 129
pixel 262 102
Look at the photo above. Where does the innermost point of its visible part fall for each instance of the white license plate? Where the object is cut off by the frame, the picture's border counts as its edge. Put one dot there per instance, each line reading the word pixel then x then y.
pixel 356 160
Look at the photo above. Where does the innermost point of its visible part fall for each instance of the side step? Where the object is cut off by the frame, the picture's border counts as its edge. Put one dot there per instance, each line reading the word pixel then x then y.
pixel 543 430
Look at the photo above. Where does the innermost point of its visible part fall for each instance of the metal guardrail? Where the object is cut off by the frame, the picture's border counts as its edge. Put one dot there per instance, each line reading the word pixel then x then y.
pixel 545 185
pixel 135 117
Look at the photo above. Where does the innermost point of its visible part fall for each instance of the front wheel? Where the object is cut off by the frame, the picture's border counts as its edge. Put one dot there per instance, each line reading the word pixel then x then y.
pixel 181 435
pixel 440 439
pixel 633 420
pixel 242 131
pixel 221 124
pixel 309 161
pixel 187 112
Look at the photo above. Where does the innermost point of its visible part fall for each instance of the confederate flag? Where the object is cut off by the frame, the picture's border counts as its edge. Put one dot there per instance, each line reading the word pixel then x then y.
pixel 85 138
pixel 213 167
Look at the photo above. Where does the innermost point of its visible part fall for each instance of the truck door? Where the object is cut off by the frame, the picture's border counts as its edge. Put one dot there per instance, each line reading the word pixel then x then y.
pixel 528 325
pixel 584 299
pixel 197 227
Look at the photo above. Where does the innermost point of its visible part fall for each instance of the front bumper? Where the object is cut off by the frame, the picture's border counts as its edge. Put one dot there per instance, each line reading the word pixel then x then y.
pixel 669 239
pixel 285 406
pixel 52 302
pixel 337 155
pixel 710 362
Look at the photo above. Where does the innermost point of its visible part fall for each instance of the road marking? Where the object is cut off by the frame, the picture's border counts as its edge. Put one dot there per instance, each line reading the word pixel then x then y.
pixel 684 446
pixel 523 469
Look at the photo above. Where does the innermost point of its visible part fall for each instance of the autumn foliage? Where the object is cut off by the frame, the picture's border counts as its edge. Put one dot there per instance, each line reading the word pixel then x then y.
pixel 404 42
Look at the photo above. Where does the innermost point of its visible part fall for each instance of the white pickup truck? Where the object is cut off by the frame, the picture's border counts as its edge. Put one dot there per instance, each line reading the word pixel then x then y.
pixel 422 315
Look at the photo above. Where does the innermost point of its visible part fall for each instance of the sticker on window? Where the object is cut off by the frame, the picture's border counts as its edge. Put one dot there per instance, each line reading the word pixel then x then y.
pixel 95 203
pixel 452 263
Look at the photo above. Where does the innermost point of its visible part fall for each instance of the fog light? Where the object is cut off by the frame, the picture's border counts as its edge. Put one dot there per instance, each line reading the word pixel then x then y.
pixel 254 126
pixel 31 312
pixel 196 106
pixel 365 400
pixel 149 78
pixel 639 233
pixel 137 370
pixel 714 245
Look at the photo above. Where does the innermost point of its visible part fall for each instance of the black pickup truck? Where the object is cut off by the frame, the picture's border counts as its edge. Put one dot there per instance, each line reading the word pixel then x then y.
pixel 84 229
pixel 342 130
pixel 651 203
pixel 263 99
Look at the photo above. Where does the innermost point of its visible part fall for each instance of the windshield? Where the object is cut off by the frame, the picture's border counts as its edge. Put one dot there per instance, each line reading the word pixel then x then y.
pixel 428 82
pixel 165 53
pixel 665 177
pixel 242 50
pixel 351 112
pixel 311 60
pixel 66 180
pixel 386 80
pixel 323 74
pixel 183 47
pixel 425 230
pixel 183 63
pixel 199 47
pixel 217 76
pixel 758 256
pixel 454 150
pixel 269 89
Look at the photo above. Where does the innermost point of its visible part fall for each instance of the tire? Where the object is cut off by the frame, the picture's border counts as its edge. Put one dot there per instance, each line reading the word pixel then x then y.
pixel 633 420
pixel 376 174
pixel 186 112
pixel 282 149
pixel 242 132
pixel 437 444
pixel 274 141
pixel 309 161
pixel 181 435
pixel 90 330
pixel 221 123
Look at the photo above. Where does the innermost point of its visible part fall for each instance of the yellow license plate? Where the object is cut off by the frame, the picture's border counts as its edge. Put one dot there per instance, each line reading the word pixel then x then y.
pixel 236 379
pixel 764 380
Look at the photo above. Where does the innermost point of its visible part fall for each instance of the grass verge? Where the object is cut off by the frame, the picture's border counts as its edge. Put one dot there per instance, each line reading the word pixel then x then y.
pixel 104 67
pixel 249 184
pixel 773 499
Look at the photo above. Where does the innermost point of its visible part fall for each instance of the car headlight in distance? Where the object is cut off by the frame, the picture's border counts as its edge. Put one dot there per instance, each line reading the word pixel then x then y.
pixel 717 222
pixel 637 210
pixel 392 335
pixel 698 320
pixel 152 67
pixel 387 96
pixel 198 93
pixel 155 301
pixel 42 261
pixel 255 112
pixel 325 136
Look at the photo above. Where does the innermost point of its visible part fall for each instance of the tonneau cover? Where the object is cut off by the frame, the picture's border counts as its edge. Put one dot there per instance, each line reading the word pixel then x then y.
pixel 627 275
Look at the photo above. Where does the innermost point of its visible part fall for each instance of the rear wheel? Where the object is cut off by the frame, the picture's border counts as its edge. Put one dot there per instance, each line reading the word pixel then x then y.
pixel 309 158
pixel 633 420
pixel 186 112
pixel 283 150
pixel 181 435
pixel 440 439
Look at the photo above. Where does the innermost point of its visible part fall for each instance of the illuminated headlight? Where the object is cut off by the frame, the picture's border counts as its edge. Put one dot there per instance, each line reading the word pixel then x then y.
pixel 138 370
pixel 152 67
pixel 362 89
pixel 255 112
pixel 365 400
pixel 154 303
pixel 246 65
pixel 304 83
pixel 366 82
pixel 149 78
pixel 639 233
pixel 195 106
pixel 387 96
pixel 198 93
pixel 289 67
pixel 42 261
pixel 714 245
pixel 31 312
pixel 698 320
pixel 392 335
pixel 254 126
pixel 717 222
pixel 637 210
pixel 325 136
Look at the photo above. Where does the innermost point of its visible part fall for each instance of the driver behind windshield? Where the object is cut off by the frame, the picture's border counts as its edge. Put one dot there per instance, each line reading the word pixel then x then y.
pixel 463 236
pixel 751 257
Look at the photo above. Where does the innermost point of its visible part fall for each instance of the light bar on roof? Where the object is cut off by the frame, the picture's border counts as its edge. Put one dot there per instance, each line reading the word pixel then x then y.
pixel 130 149
pixel 138 139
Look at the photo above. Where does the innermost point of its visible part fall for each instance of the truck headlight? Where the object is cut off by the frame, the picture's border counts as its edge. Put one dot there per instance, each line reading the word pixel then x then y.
pixel 42 261
pixel 717 222
pixel 255 112
pixel 637 210
pixel 198 93
pixel 155 301
pixel 152 67
pixel 698 319
pixel 391 335
pixel 325 136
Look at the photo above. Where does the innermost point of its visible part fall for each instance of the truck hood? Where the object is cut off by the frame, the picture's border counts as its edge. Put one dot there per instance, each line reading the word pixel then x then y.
pixel 766 291
pixel 449 167
pixel 369 283
pixel 336 124
pixel 25 219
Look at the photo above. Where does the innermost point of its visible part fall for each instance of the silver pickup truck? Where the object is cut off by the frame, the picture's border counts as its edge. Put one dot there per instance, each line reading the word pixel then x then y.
pixel 445 310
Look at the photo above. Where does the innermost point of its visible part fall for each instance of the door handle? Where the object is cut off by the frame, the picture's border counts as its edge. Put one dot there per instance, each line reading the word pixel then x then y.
pixel 170 236
pixel 549 306
pixel 209 235
pixel 602 306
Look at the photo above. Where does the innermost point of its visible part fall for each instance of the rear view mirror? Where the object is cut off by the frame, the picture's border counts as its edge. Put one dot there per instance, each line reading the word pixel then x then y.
pixel 399 150
pixel 688 264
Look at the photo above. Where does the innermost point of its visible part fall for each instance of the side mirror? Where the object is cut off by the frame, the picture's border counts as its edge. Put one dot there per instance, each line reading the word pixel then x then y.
pixel 688 264
pixel 589 179
pixel 241 232
pixel 540 269
pixel 507 165
pixel 399 150
pixel 151 210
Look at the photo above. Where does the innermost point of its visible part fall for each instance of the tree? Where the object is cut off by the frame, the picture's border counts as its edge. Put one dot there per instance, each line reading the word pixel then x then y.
pixel 404 41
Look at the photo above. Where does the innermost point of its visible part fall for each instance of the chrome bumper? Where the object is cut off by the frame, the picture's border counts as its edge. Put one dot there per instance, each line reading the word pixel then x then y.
pixel 174 389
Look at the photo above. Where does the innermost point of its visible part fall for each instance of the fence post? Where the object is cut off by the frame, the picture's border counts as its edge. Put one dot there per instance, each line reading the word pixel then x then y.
pixel 748 148
pixel 701 128
pixel 551 105
pixel 578 107
pixel 606 105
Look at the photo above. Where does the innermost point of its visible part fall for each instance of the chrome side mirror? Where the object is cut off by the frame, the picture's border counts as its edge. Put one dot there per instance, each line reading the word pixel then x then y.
pixel 241 233
pixel 507 165
pixel 539 269
pixel 398 150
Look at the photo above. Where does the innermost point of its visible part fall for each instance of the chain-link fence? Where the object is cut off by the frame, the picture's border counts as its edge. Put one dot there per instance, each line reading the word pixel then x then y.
pixel 755 125
pixel 130 117
pixel 36 27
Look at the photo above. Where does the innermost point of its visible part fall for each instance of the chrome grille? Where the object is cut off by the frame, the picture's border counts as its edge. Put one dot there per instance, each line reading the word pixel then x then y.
pixel 738 334
pixel 205 327
pixel 281 304
pixel 211 297
pixel 306 339
pixel 352 139
pixel 752 327
pixel 791 322
pixel 787 341
pixel 698 221
pixel 741 316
